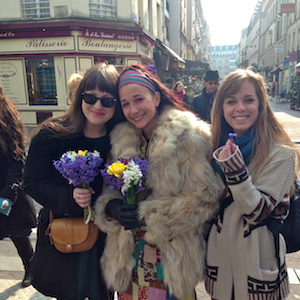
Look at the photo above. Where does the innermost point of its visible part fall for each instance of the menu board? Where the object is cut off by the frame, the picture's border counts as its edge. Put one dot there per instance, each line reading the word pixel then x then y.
pixel 13 80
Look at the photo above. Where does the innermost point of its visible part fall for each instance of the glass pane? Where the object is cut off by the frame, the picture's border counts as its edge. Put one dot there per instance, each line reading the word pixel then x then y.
pixel 102 9
pixel 36 8
pixel 41 81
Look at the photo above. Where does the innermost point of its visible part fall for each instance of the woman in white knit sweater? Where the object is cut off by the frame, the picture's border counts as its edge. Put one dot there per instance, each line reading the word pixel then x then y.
pixel 255 159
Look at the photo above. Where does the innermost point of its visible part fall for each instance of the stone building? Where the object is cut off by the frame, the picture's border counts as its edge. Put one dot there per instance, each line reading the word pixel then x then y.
pixel 42 42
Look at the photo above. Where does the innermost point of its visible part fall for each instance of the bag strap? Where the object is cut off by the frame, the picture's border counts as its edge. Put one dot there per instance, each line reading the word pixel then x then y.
pixel 274 226
pixel 51 216
pixel 223 196
pixel 48 230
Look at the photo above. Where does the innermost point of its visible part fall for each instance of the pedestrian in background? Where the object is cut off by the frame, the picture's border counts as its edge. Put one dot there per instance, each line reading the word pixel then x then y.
pixel 257 167
pixel 179 92
pixel 85 126
pixel 273 89
pixel 163 258
pixel 152 69
pixel 202 103
pixel 17 225
pixel 72 85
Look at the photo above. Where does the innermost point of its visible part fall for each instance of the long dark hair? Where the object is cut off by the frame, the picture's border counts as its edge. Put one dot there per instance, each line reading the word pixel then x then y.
pixel 167 95
pixel 12 130
pixel 101 76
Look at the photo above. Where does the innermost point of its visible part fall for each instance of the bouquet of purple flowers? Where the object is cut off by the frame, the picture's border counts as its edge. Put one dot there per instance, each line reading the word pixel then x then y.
pixel 80 169
pixel 126 176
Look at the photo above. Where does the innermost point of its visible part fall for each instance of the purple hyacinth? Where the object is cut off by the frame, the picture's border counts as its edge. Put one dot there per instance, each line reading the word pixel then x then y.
pixel 79 169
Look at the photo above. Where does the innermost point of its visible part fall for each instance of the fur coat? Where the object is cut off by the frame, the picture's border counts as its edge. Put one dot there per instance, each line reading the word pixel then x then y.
pixel 184 195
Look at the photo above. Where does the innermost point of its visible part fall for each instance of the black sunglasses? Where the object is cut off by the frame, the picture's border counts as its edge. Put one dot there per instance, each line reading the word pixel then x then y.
pixel 92 99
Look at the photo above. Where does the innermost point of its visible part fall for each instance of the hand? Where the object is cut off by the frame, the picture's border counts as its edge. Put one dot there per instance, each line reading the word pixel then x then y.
pixel 83 197
pixel 227 150
pixel 125 214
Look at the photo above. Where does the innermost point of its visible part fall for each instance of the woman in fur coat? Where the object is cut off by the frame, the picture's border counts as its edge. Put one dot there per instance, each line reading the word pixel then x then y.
pixel 162 256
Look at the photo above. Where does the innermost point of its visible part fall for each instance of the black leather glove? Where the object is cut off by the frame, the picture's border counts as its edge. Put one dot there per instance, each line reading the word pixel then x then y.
pixel 125 214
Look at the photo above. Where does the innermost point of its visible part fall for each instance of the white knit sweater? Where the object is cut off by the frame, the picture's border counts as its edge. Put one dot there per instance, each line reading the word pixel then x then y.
pixel 240 255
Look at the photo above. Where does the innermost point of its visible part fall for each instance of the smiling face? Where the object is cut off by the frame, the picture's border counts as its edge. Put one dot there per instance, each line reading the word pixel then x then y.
pixel 96 115
pixel 241 109
pixel 139 106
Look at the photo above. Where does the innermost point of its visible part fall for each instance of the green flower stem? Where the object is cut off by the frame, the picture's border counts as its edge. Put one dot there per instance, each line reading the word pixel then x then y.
pixel 84 185
pixel 130 195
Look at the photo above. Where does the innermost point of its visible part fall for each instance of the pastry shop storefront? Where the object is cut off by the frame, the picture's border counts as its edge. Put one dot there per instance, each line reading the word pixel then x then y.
pixel 36 64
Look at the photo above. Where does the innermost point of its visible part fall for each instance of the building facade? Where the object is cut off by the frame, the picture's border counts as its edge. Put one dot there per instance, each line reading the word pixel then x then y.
pixel 224 59
pixel 273 41
pixel 42 42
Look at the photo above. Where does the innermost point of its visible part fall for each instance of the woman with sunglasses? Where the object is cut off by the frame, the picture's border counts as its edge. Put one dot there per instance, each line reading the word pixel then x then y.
pixel 163 258
pixel 85 126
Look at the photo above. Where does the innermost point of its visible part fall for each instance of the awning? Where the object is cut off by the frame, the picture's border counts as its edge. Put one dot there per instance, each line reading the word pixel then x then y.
pixel 275 70
pixel 173 53
pixel 297 65
pixel 192 65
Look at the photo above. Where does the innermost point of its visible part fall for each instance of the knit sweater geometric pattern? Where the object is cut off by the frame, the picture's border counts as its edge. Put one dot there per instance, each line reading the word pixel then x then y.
pixel 241 252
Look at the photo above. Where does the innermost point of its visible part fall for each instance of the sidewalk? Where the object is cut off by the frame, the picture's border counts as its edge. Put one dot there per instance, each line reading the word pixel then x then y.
pixel 12 272
pixel 11 275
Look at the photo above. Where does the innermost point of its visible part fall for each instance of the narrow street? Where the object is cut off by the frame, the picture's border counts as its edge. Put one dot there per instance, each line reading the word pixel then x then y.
pixel 289 118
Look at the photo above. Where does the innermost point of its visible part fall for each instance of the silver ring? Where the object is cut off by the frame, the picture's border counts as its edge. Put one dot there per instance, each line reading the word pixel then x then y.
pixel 78 196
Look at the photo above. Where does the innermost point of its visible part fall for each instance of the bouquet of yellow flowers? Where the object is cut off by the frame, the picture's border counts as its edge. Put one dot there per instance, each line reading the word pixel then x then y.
pixel 126 176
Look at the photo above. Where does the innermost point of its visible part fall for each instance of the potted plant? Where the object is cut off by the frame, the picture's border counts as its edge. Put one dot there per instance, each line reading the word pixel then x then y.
pixel 291 99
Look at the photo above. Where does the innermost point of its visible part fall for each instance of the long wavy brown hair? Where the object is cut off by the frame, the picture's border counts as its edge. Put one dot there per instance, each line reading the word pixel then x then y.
pixel 267 129
pixel 101 76
pixel 12 130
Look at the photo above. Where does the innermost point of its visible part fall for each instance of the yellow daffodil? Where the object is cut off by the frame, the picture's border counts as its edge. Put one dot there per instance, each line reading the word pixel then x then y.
pixel 116 169
pixel 82 152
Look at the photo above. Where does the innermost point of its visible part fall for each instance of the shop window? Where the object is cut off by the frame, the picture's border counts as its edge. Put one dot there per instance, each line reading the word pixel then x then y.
pixel 116 61
pixel 36 9
pixel 41 81
pixel 103 9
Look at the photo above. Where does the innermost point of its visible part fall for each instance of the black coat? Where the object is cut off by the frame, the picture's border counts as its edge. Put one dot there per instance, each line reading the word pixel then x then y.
pixel 55 273
pixel 202 104
pixel 22 215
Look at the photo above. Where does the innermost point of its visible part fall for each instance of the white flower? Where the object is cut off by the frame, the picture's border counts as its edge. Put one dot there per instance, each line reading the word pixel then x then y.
pixel 71 155
pixel 96 153
pixel 131 176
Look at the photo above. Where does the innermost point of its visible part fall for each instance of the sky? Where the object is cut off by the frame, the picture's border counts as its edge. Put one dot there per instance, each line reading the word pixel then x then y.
pixel 227 18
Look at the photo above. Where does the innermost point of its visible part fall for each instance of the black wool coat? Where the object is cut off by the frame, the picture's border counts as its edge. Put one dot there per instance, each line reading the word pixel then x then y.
pixel 202 104
pixel 23 215
pixel 55 272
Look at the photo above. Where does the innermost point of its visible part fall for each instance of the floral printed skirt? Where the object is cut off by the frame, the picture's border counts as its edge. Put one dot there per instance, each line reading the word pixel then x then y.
pixel 147 275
